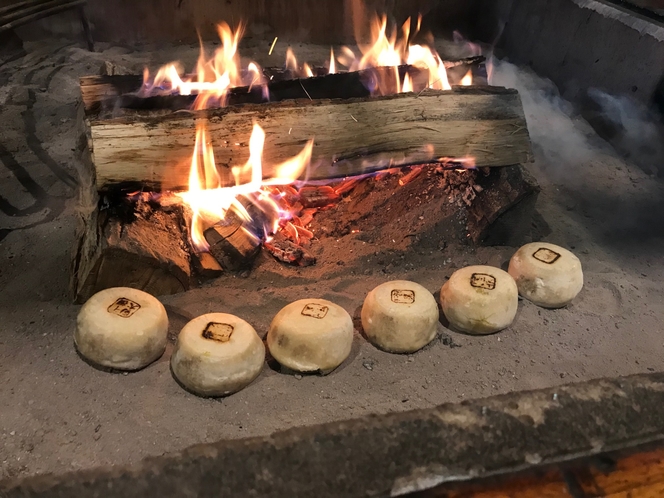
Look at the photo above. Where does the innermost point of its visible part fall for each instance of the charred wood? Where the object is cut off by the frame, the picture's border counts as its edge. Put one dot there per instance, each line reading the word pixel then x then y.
pixel 232 244
pixel 287 252
pixel 318 197
pixel 113 93
pixel 494 206
pixel 143 247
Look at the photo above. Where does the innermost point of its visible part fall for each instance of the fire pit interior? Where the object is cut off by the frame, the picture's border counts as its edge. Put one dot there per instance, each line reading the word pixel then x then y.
pixel 314 152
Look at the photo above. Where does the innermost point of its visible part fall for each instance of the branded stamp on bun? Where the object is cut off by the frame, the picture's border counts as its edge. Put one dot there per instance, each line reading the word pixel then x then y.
pixel 546 256
pixel 124 307
pixel 483 281
pixel 403 296
pixel 315 310
pixel 220 332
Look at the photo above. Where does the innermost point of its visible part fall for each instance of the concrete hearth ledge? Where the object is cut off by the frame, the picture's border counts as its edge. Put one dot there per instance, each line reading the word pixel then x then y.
pixel 625 16
pixel 393 454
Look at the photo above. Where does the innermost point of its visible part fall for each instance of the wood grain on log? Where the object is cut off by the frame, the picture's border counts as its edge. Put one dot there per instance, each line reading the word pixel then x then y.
pixel 352 136
pixel 206 266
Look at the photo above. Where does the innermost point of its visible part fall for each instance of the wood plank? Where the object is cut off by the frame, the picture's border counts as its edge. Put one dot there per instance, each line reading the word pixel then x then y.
pixel 352 136
pixel 636 473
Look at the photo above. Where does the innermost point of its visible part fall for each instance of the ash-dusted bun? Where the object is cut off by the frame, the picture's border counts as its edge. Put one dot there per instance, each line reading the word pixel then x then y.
pixel 217 354
pixel 546 274
pixel 311 335
pixel 480 300
pixel 400 316
pixel 121 328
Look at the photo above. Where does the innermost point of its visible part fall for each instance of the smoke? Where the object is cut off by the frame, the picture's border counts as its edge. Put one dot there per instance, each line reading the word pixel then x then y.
pixel 582 170
pixel 557 135
pixel 634 130
pixel 559 130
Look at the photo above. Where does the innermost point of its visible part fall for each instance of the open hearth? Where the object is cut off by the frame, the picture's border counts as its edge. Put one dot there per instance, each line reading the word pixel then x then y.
pixel 323 141
pixel 418 222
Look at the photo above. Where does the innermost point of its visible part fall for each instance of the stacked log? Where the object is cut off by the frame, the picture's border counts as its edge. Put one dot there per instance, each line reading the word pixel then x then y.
pixel 145 145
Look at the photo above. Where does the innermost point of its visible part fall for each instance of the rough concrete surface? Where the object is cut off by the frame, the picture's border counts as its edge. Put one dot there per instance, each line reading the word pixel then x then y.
pixel 57 413
pixel 597 46
pixel 395 454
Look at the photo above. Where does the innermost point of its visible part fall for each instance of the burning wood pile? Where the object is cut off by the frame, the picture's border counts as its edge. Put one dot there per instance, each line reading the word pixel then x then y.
pixel 196 174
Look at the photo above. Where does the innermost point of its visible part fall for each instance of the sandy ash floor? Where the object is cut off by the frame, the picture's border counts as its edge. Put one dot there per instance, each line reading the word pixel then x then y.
pixel 57 413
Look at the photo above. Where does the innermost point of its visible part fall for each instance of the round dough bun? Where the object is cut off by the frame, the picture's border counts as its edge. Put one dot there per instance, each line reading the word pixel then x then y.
pixel 122 328
pixel 311 335
pixel 217 354
pixel 400 316
pixel 480 300
pixel 546 274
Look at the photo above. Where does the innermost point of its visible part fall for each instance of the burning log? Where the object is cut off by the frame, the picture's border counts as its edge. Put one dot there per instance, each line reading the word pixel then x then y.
pixel 117 95
pixel 115 92
pixel 232 245
pixel 352 137
pixel 318 197
pixel 491 207
pixel 145 248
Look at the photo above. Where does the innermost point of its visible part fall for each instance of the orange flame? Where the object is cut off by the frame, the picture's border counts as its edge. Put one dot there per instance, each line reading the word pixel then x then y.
pixel 407 84
pixel 213 77
pixel 294 67
pixel 210 201
pixel 291 61
pixel 209 197
pixel 467 80
pixel 388 49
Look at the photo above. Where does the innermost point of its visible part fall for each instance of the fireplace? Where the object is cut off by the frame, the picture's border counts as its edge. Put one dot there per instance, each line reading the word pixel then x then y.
pixel 302 172
pixel 386 143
